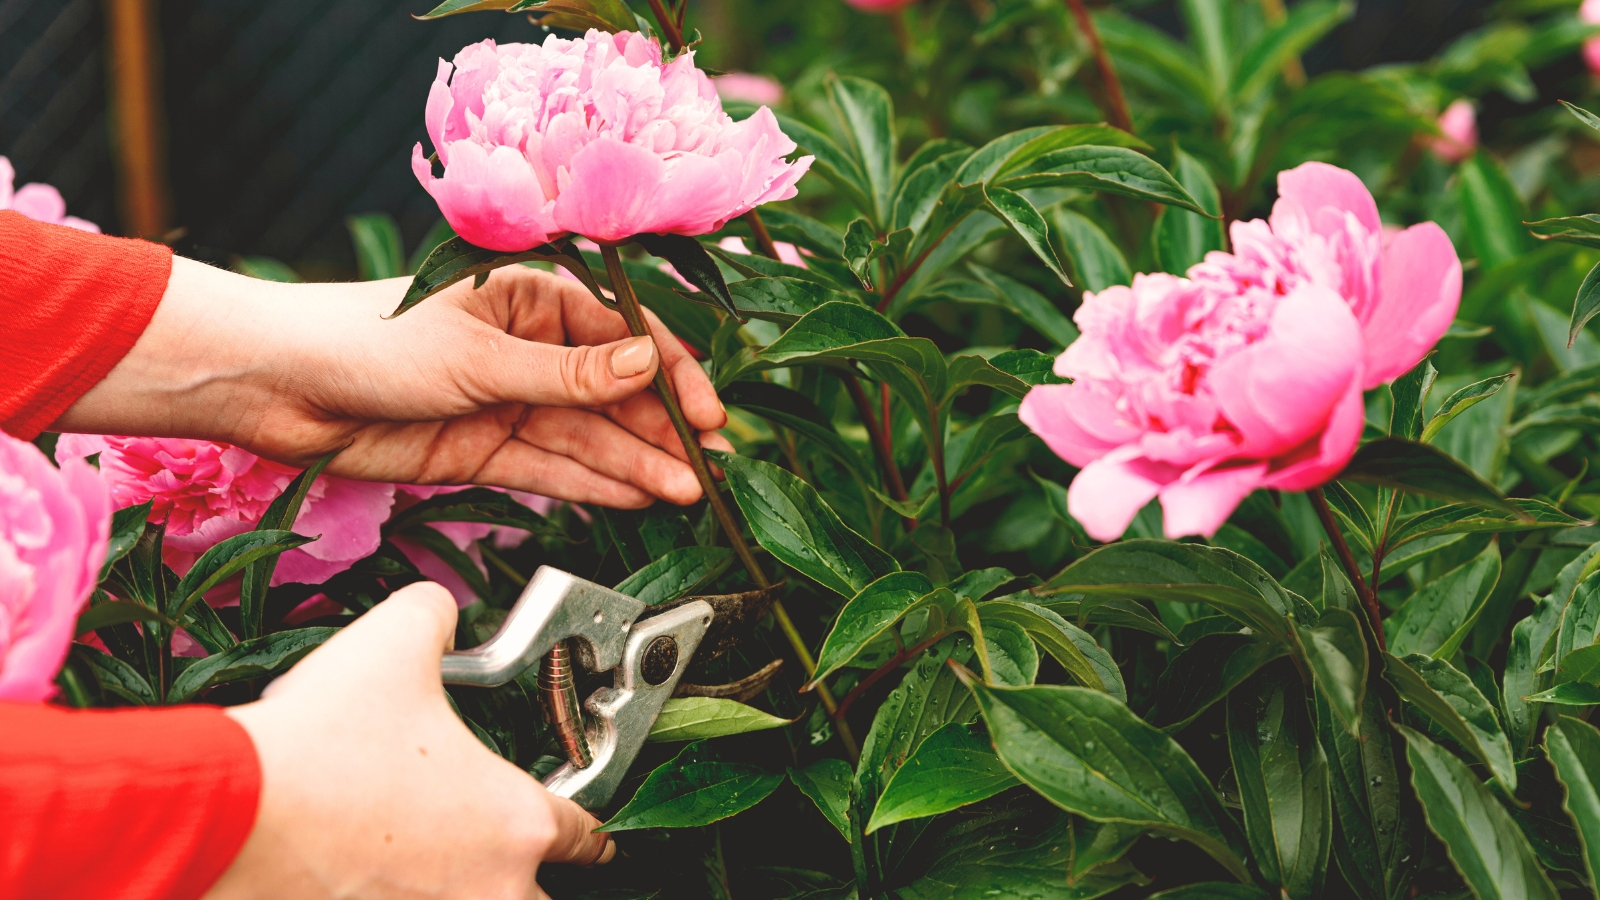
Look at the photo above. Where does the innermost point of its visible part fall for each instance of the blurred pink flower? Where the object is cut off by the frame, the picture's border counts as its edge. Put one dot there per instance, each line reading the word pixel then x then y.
pixel 1589 13
pixel 1248 372
pixel 762 90
pixel 1458 125
pixel 37 201
pixel 208 492
pixel 54 524
pixel 595 137
pixel 880 6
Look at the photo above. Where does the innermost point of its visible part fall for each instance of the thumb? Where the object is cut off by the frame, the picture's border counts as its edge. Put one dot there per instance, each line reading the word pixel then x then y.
pixel 398 642
pixel 576 840
pixel 584 376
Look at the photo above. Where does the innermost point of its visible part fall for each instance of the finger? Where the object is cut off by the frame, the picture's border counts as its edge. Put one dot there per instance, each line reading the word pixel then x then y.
pixel 607 448
pixel 575 840
pixel 644 416
pixel 401 640
pixel 521 466
pixel 511 370
pixel 696 395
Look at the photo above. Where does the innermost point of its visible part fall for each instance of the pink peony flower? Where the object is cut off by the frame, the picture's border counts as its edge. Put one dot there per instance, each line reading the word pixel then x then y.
pixel 208 492
pixel 762 90
pixel 1248 372
pixel 1459 126
pixel 54 524
pixel 881 7
pixel 37 201
pixel 595 137
pixel 1589 13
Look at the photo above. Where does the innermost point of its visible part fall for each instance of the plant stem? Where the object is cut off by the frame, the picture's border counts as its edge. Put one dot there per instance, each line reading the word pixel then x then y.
pixel 493 559
pixel 875 436
pixel 668 25
pixel 894 662
pixel 1319 502
pixel 1116 104
pixel 764 241
pixel 628 305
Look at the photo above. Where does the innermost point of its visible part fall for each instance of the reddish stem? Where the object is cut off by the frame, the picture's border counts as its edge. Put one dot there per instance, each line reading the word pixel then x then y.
pixel 1116 103
pixel 894 663
pixel 1369 601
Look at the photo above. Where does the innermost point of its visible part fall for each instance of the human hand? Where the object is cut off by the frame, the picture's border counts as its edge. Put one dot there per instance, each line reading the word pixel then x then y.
pixel 373 789
pixel 527 383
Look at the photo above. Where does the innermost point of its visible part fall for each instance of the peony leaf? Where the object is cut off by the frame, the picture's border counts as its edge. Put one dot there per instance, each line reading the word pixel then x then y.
pixel 1469 518
pixel 1075 649
pixel 860 249
pixel 1437 618
pixel 1573 747
pixel 1014 209
pixel 923 180
pixel 1491 212
pixel 695 788
pixel 260 657
pixel 1409 395
pixel 1336 651
pixel 827 783
pixel 107 612
pixel 795 411
pixel 456 260
pixel 1451 700
pixel 606 15
pixel 1425 470
pixel 1581 230
pixel 228 558
pixel 698 718
pixel 127 526
pixel 1184 238
pixel 1207 671
pixel 1572 693
pixel 435 542
pixel 115 676
pixel 793 523
pixel 966 371
pixel 675 574
pixel 869 615
pixel 1282 776
pixel 1115 170
pixel 453 7
pixel 1583 115
pixel 1483 842
pixel 954 767
pixel 1381 834
pixel 1029 305
pixel 1585 305
pixel 379 253
pixel 1086 752
pixel 1030 366
pixel 479 505
pixel 690 258
pixel 1096 261
pixel 866 116
pixel 1305 24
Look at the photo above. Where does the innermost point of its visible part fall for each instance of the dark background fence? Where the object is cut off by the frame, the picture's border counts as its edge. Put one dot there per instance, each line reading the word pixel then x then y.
pixel 284 116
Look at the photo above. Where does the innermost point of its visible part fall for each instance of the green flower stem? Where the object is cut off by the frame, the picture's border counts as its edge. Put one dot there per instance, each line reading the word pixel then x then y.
pixel 1319 502
pixel 628 305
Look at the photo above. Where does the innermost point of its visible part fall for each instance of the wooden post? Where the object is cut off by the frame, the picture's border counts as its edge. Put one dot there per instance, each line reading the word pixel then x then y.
pixel 137 125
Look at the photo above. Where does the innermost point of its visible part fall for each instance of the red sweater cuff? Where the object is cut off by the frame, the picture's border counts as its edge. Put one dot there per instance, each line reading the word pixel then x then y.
pixel 124 804
pixel 74 303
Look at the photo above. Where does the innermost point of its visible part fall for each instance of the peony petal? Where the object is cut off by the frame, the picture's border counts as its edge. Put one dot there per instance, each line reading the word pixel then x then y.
pixel 8 177
pixel 1315 185
pixel 492 199
pixel 1202 503
pixel 1077 422
pixel 1418 294
pixel 437 112
pixel 1279 391
pixel 347 518
pixel 1320 460
pixel 1110 491
pixel 41 202
pixel 439 571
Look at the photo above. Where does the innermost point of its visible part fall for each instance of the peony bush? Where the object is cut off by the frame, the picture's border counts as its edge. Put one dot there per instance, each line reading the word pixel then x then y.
pixel 1169 471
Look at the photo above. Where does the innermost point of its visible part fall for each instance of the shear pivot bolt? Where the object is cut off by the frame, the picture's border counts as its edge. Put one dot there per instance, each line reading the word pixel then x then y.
pixel 660 660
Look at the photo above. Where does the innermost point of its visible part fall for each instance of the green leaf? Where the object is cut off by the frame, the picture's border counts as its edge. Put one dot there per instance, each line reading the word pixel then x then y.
pixel 379 252
pixel 438 234
pixel 1283 782
pixel 1425 470
pixel 1492 212
pixel 1184 238
pixel 1087 753
pixel 771 298
pixel 1121 613
pixel 1450 699
pixel 833 163
pixel 923 180
pixel 867 114
pixel 1581 230
pixel 1437 618
pixel 1075 649
pixel 954 767
pixel 1031 367
pixel 1038 142
pixel 1574 750
pixel 697 718
pixel 259 657
pixel 115 676
pixel 692 261
pixel 966 371
pixel 1025 221
pixel 1148 569
pixel 266 269
pixel 1410 394
pixel 116 612
pixel 677 573
pixel 1115 170
pixel 1306 24
pixel 1096 261
pixel 1032 307
pixel 575 15
pixel 859 252
pixel 281 514
pixel 1337 653
pixel 1206 671
pixel 1571 693
pixel 1483 842
pixel 1379 843
pixel 435 542
pixel 1213 890
pixel 929 696
pixel 870 615
pixel 1469 518
pixel 127 526
pixel 1585 305
pixel 478 505
pixel 793 523
pixel 827 783
pixel 795 411
pixel 1014 852
pixel 456 260
pixel 228 558
pixel 1582 115
pixel 695 788
pixel 452 7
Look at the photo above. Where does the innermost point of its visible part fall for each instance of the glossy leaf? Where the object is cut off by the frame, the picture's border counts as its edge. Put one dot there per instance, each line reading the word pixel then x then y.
pixel 1585 305
pixel 1184 238
pixel 867 116
pixel 1463 400
pixel 953 767
pixel 1492 211
pixel 282 513
pixel 1207 671
pixel 261 657
pixel 1425 470
pixel 1483 842
pixel 1437 618
pixel 793 523
pixel 868 616
pixel 1573 747
pixel 1122 613
pixel 228 558
pixel 127 526
pixel 115 676
pixel 1528 640
pixel 827 783
pixel 456 260
pixel 1469 518
pixel 1380 838
pixel 1096 262
pixel 1088 753
pixel 1572 693
pixel 696 788
pixel 1581 230
pixel 116 612
pixel 677 573
pixel 1029 305
pixel 1336 651
pixel 478 505
pixel 437 543
pixel 1451 700
pixel 697 718
pixel 1026 222
pixel 1409 395
pixel 795 411
pixel 1115 170
pixel 1075 649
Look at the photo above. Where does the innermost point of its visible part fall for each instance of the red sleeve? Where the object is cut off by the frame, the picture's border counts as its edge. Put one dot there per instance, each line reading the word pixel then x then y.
pixel 121 804
pixel 73 305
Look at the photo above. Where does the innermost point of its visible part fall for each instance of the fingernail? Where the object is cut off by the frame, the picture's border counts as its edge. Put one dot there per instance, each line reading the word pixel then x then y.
pixel 609 853
pixel 635 355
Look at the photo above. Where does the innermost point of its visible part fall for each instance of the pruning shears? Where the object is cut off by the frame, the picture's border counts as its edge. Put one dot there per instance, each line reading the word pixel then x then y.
pixel 561 622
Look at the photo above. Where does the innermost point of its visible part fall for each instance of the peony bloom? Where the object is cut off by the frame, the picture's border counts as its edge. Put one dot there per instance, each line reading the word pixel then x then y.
pixel 1458 125
pixel 881 7
pixel 762 90
pixel 1248 372
pixel 37 201
pixel 54 524
pixel 1589 13
pixel 208 492
pixel 595 137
